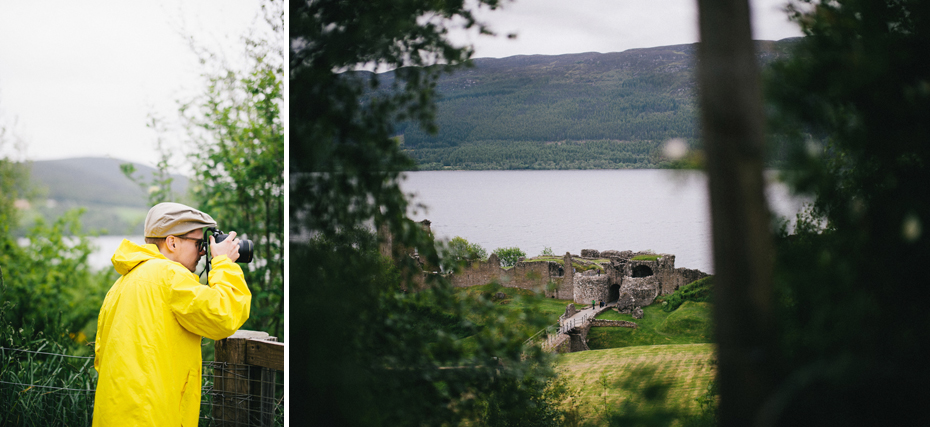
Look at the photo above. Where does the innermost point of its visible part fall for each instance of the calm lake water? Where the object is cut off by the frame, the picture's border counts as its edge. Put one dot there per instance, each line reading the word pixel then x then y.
pixel 664 211
pixel 660 210
pixel 106 246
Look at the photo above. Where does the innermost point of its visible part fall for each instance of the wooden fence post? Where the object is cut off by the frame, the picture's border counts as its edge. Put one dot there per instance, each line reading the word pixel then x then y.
pixel 244 393
pixel 261 388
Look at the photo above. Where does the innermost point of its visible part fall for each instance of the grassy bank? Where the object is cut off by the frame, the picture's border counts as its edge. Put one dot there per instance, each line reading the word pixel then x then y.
pixel 689 324
pixel 658 382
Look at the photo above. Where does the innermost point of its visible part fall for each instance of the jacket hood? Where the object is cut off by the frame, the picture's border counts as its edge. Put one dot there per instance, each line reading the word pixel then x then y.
pixel 128 255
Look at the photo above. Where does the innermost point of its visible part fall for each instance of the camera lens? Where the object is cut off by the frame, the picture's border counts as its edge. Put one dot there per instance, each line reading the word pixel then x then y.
pixel 245 248
pixel 245 251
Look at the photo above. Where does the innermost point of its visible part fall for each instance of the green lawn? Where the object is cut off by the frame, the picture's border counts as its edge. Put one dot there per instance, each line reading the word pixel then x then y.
pixel 662 381
pixel 689 324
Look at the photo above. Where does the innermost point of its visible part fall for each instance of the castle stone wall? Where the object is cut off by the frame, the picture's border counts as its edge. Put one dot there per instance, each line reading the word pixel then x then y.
pixel 561 344
pixel 589 288
pixel 653 277
pixel 524 275
pixel 598 323
pixel 643 290
pixel 684 276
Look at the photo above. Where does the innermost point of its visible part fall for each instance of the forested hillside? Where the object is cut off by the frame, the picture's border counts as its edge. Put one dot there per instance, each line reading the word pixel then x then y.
pixel 114 204
pixel 576 111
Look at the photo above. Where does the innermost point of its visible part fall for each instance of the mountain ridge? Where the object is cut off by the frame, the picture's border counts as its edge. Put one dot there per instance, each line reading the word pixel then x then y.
pixel 593 104
pixel 113 203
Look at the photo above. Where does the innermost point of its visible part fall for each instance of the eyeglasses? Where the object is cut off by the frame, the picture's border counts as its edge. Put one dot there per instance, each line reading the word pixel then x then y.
pixel 201 242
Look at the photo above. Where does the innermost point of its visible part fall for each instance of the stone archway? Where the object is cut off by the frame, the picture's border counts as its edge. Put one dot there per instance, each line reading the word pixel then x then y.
pixel 642 271
pixel 613 293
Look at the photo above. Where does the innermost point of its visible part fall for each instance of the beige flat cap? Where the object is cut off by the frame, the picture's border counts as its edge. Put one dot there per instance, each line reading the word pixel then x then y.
pixel 175 219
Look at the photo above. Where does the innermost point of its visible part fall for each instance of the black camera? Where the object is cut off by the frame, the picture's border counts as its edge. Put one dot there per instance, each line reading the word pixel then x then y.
pixel 245 245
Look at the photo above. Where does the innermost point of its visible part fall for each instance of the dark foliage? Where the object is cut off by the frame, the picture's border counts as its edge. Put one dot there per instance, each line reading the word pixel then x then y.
pixel 851 281
pixel 491 155
pixel 393 357
pixel 365 352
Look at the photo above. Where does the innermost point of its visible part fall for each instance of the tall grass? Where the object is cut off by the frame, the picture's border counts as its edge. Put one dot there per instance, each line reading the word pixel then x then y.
pixel 644 385
pixel 42 387
pixel 43 384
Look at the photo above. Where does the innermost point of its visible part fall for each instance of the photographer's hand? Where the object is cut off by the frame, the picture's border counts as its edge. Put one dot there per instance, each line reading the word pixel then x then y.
pixel 228 247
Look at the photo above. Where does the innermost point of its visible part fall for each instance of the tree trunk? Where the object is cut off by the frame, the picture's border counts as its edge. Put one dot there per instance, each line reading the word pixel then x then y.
pixel 732 122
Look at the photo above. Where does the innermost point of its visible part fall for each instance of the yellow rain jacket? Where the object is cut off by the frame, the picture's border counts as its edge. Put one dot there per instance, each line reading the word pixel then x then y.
pixel 147 351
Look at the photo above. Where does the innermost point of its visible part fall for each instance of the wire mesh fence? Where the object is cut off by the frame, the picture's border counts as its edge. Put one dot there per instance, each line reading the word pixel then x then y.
pixel 40 388
pixel 241 395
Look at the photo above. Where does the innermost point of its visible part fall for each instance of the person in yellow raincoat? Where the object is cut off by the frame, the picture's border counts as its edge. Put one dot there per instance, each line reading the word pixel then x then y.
pixel 147 350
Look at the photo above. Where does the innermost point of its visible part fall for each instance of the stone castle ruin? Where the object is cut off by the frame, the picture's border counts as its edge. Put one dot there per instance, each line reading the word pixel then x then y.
pixel 612 276
pixel 631 279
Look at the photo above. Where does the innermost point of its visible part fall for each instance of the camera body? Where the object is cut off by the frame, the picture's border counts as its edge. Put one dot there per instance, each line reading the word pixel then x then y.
pixel 245 245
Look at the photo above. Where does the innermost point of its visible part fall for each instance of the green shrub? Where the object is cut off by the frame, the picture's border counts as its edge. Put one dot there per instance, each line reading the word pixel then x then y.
pixel 463 250
pixel 509 256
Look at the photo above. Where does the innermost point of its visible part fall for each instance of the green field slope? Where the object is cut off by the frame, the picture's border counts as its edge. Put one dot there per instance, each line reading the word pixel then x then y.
pixel 689 324
pixel 659 382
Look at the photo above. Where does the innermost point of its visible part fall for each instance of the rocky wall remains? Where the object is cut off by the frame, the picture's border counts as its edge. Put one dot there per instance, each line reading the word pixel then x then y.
pixel 590 253
pixel 524 275
pixel 684 276
pixel 643 290
pixel 664 271
pixel 561 344
pixel 613 323
pixel 589 288
pixel 579 342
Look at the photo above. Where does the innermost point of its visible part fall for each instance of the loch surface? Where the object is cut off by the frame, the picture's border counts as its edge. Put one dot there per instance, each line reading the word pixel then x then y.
pixel 665 211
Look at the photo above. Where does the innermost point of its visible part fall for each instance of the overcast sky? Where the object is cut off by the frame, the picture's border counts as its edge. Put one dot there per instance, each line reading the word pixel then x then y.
pixel 81 77
pixel 552 27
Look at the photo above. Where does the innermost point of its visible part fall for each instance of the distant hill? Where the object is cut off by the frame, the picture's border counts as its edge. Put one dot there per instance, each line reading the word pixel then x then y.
pixel 576 111
pixel 113 203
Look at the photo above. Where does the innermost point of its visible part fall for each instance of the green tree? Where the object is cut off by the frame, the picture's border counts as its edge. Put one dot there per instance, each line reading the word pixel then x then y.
pixel 385 367
pixel 237 143
pixel 47 282
pixel 14 184
pixel 509 256
pixel 854 330
pixel 461 249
